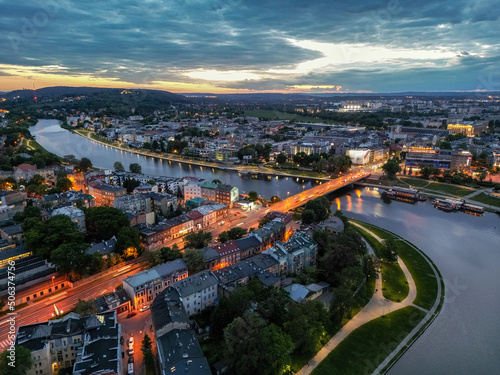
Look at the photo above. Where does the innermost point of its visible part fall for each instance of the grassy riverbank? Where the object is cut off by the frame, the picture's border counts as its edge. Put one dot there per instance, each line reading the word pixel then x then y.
pixel 486 199
pixel 418 266
pixel 366 348
pixel 394 284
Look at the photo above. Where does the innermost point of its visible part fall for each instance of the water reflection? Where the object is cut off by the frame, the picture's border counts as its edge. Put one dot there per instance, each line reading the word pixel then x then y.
pixel 62 142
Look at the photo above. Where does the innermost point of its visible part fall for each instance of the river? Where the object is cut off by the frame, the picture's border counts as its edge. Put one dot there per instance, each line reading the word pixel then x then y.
pixel 62 142
pixel 465 337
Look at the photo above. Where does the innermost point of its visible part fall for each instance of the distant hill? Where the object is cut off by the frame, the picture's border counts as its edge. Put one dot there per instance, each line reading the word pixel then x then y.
pixel 68 91
pixel 344 96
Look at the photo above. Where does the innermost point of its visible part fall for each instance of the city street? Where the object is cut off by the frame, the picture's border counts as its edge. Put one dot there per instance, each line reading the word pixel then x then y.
pixel 136 326
pixel 43 310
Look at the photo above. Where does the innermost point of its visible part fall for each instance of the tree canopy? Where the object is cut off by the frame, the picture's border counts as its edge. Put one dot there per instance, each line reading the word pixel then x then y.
pixel 23 361
pixel 105 222
pixel 391 168
pixel 118 166
pixel 135 168
pixel 197 239
pixel 194 260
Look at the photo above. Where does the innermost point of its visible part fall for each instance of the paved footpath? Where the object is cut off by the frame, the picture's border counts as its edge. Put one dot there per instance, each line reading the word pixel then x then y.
pixel 375 308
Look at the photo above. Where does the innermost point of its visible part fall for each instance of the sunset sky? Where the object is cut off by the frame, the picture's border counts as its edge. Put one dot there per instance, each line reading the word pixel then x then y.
pixel 225 46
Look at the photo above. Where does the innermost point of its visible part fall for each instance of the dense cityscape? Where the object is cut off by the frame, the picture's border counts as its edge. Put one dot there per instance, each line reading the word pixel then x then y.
pixel 236 187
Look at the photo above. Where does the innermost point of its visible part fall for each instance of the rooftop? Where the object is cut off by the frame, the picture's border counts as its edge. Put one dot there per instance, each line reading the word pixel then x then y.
pixel 180 353
pixel 142 278
pixel 195 283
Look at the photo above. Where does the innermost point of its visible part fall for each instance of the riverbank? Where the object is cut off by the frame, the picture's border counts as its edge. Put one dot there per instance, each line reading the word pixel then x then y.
pixel 240 168
pixel 431 190
pixel 377 337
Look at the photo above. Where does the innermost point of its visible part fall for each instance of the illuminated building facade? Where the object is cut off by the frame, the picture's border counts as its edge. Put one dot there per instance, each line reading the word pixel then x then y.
pixel 436 158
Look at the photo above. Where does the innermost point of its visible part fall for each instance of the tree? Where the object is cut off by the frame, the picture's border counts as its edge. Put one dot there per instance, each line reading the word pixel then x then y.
pixel 84 164
pixel 23 361
pixel 194 260
pixel 426 171
pixel 321 208
pixel 281 158
pixel 253 347
pixel 104 222
pixel 216 181
pixel 253 196
pixel 64 183
pixel 146 343
pixel 168 254
pixel 149 361
pixel 118 166
pixel 70 159
pixel 308 216
pixel 84 308
pixel 391 168
pixel 198 239
pixel 223 237
pixel 44 237
pixel 135 168
pixel 130 184
pixel 128 242
pixel 28 212
pixel 482 175
pixel 232 234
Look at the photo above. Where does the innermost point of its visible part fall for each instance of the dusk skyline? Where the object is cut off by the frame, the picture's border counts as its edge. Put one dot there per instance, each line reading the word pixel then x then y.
pixel 232 46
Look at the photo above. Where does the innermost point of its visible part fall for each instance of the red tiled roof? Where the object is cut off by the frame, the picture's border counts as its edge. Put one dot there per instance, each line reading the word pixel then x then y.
pixel 194 215
pixel 25 167
pixel 226 248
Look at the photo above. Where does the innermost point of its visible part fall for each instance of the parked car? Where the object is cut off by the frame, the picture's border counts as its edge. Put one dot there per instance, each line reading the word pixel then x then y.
pixel 130 352
pixel 131 314
pixel 131 341
pixel 131 360
pixel 144 308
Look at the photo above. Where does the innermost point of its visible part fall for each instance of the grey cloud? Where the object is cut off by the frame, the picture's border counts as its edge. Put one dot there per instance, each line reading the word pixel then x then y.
pixel 154 40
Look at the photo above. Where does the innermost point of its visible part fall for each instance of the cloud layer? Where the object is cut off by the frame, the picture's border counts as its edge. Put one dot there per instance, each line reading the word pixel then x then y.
pixel 253 45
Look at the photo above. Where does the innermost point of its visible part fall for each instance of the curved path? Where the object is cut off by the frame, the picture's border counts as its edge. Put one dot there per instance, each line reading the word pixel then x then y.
pixel 375 308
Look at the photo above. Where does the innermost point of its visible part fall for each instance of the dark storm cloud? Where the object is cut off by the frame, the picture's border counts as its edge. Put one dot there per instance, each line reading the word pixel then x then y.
pixel 144 41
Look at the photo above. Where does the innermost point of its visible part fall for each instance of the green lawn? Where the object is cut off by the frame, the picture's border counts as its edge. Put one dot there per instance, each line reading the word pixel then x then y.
pixel 365 348
pixel 418 266
pixel 486 199
pixel 425 280
pixel 450 189
pixel 277 115
pixel 394 284
pixel 415 183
